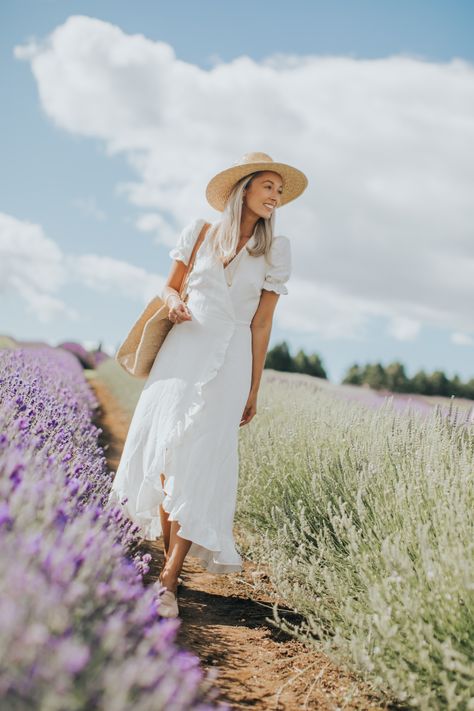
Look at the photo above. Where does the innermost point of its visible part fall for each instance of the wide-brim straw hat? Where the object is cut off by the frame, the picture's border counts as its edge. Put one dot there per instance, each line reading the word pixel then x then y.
pixel 220 186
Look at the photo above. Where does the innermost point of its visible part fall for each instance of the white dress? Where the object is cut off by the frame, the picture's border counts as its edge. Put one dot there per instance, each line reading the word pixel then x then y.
pixel 186 422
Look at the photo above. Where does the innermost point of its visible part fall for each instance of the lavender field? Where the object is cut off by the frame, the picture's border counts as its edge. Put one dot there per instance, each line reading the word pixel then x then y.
pixel 80 631
pixel 362 507
pixel 365 516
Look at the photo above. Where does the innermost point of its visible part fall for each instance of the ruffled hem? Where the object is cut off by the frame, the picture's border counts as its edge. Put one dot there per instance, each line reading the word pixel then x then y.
pixel 218 560
pixel 278 287
pixel 217 555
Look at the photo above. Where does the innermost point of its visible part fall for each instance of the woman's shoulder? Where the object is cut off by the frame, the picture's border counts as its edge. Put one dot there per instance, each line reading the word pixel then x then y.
pixel 186 239
pixel 278 265
pixel 280 248
pixel 196 224
pixel 280 240
pixel 191 231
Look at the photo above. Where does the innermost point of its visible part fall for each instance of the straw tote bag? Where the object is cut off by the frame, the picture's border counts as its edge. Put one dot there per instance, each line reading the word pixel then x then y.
pixel 137 353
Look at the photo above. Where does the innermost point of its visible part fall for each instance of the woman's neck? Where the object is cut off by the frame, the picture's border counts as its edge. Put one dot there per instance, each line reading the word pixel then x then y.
pixel 247 225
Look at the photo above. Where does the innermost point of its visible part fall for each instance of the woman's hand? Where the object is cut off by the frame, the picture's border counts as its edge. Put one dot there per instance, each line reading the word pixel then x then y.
pixel 250 409
pixel 178 311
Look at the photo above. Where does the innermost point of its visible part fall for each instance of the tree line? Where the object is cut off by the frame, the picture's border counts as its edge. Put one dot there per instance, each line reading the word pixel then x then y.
pixel 394 378
pixel 279 358
pixel 391 377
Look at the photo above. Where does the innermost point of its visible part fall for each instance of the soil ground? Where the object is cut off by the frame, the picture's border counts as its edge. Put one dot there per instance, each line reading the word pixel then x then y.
pixel 226 622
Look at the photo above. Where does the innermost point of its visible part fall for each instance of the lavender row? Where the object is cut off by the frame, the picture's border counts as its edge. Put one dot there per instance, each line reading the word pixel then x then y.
pixel 79 628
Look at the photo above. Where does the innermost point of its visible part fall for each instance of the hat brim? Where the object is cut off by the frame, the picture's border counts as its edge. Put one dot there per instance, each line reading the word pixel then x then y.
pixel 220 186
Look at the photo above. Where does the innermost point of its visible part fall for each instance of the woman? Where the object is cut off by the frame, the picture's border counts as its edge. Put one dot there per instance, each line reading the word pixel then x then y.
pixel 179 467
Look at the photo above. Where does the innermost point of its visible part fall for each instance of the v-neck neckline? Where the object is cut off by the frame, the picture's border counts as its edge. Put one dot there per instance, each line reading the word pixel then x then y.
pixel 237 254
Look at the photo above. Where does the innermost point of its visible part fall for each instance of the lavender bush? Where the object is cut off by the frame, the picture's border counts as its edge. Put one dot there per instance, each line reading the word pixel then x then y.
pixel 365 517
pixel 85 358
pixel 79 629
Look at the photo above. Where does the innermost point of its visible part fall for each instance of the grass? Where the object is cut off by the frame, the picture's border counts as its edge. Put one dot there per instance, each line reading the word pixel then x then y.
pixel 124 387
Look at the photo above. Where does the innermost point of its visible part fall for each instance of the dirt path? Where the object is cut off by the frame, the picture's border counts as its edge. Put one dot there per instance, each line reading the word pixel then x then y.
pixel 224 623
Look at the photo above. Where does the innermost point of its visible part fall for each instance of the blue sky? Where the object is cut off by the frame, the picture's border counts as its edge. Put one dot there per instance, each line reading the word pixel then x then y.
pixel 89 196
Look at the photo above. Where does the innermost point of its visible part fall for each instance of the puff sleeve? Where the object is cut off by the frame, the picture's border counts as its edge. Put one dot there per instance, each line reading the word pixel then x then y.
pixel 279 271
pixel 186 240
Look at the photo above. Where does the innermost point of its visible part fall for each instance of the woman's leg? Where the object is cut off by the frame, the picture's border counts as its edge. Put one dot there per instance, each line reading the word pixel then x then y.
pixel 165 524
pixel 178 550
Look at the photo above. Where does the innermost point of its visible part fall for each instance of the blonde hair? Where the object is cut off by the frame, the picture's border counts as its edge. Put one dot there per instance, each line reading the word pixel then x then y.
pixel 224 236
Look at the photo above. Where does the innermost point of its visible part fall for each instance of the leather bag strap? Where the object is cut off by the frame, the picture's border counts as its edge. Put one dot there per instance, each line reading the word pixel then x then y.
pixel 197 244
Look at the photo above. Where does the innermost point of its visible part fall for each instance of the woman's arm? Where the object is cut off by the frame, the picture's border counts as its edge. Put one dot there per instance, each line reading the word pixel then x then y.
pixel 175 279
pixel 178 311
pixel 261 328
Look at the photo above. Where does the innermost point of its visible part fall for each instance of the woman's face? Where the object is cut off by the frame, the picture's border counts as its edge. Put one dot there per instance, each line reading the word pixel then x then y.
pixel 263 195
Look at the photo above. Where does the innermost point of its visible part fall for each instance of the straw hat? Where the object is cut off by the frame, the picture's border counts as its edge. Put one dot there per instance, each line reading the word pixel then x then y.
pixel 220 186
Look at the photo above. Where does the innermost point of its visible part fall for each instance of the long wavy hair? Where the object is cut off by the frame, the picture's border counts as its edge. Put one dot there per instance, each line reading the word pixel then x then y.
pixel 224 236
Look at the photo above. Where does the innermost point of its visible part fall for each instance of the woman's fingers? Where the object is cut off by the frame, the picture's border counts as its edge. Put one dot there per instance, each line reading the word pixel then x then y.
pixel 180 313
pixel 247 416
pixel 183 311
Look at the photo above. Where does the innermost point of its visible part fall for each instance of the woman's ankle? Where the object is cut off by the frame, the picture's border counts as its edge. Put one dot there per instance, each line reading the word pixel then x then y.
pixel 169 579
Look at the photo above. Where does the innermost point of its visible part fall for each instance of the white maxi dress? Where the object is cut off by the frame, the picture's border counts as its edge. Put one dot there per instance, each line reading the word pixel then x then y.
pixel 186 422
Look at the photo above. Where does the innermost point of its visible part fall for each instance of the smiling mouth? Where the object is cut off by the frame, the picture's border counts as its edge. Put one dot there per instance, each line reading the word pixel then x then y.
pixel 268 206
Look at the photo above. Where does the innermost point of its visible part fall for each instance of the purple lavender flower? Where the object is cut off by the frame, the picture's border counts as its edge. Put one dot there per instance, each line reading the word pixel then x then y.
pixel 78 624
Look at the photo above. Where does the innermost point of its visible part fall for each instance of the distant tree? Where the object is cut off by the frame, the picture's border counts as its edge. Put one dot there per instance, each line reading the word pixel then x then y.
pixel 469 389
pixel 421 383
pixel 396 378
pixel 279 358
pixel 353 375
pixel 458 388
pixel 317 367
pixel 311 365
pixel 301 362
pixel 440 384
pixel 374 375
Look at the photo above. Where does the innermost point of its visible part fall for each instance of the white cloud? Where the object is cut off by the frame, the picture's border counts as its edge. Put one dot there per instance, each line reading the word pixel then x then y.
pixel 385 226
pixel 33 267
pixel 331 314
pixel 404 329
pixel 462 339
pixel 89 207
pixel 107 274
pixel 155 223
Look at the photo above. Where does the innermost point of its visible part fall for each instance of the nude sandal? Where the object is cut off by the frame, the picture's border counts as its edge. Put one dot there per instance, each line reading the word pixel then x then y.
pixel 168 600
pixel 168 604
